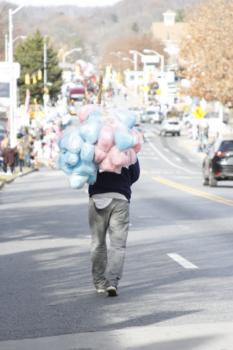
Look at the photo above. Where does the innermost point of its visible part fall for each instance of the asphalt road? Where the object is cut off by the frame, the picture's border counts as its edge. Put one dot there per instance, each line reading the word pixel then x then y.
pixel 177 288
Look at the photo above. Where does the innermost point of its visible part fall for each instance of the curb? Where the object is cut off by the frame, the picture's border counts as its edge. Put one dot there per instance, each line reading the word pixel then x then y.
pixel 191 146
pixel 3 183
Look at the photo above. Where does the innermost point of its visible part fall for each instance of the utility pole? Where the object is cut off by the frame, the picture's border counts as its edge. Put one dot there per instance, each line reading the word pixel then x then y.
pixel 13 86
pixel 45 71
pixel 6 48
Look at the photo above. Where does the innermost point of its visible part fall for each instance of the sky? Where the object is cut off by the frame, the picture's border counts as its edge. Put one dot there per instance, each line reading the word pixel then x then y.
pixel 81 3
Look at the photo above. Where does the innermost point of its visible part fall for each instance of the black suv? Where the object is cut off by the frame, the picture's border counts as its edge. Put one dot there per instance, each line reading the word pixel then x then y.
pixel 218 163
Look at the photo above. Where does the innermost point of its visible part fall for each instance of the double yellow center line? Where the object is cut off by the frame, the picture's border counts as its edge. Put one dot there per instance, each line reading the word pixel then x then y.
pixel 193 191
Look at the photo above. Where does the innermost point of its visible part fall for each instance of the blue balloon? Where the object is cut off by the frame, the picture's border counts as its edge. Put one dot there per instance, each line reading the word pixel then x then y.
pixel 71 159
pixel 85 169
pixel 87 152
pixel 92 179
pixel 77 181
pixel 89 131
pixel 123 140
pixel 71 141
pixel 63 165
pixel 94 116
pixel 128 118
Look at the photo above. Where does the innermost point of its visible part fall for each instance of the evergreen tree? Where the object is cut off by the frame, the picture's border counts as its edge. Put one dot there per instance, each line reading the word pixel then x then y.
pixel 30 55
pixel 180 15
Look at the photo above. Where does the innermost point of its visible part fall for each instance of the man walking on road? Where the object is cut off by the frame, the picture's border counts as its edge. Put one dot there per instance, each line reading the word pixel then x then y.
pixel 109 211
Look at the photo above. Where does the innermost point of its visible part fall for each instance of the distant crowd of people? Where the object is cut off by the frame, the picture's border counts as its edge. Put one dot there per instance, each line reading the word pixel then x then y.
pixel 33 149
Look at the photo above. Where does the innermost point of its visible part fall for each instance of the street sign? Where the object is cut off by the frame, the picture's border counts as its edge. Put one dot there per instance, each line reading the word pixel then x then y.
pixel 4 90
pixel 199 112
pixel 5 71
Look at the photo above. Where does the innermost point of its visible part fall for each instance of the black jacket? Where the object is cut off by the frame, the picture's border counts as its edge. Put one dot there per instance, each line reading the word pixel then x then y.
pixel 112 182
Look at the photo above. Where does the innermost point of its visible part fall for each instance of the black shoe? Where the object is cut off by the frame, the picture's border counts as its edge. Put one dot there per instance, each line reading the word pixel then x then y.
pixel 112 291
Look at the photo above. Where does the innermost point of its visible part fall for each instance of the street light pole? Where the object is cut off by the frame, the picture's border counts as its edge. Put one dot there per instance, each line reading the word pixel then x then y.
pixel 12 73
pixel 135 54
pixel 76 49
pixel 161 57
pixel 132 61
pixel 127 59
pixel 19 37
pixel 45 75
pixel 45 64
pixel 6 47
pixel 135 58
pixel 119 55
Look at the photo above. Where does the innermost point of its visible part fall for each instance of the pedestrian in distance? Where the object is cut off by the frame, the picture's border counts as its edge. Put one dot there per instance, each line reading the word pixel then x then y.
pixel 4 144
pixel 9 159
pixel 21 156
pixel 109 213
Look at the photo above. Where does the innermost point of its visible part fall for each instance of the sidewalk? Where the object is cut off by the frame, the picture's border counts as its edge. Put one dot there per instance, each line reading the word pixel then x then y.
pixel 8 178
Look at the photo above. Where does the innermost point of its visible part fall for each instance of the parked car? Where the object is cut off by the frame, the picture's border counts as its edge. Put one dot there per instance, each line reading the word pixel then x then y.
pixel 152 115
pixel 138 112
pixel 218 162
pixel 170 126
pixel 188 119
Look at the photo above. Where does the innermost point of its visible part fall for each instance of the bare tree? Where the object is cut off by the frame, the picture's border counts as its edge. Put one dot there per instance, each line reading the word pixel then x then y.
pixel 122 46
pixel 207 51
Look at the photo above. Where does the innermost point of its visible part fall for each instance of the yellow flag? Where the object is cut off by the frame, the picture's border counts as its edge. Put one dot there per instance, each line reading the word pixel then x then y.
pixel 46 90
pixel 77 70
pixel 119 77
pixel 34 79
pixel 27 79
pixel 108 71
pixel 39 75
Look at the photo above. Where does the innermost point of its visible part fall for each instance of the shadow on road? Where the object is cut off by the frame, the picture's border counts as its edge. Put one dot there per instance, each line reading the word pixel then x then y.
pixel 46 286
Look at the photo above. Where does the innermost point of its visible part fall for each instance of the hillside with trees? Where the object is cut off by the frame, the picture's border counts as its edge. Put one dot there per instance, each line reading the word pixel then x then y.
pixel 94 28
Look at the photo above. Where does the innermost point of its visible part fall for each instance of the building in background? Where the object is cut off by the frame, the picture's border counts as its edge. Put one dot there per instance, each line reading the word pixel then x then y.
pixel 170 33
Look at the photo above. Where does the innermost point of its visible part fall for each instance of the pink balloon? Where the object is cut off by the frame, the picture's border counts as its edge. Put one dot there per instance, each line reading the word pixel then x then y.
pixel 117 157
pixel 106 138
pixel 99 154
pixel 137 147
pixel 106 165
pixel 138 140
pixel 132 158
pixel 84 112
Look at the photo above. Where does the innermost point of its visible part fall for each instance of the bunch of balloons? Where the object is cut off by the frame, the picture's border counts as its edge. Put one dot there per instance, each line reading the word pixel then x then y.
pixel 104 140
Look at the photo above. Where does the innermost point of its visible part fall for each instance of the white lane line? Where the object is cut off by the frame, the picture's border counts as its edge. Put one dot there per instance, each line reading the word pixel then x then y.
pixel 182 261
pixel 167 160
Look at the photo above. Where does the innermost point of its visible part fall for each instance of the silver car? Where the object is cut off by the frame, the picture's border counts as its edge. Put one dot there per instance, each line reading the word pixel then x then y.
pixel 170 126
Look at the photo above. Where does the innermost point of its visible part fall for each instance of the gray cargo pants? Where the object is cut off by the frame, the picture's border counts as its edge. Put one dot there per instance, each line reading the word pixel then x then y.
pixel 107 268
